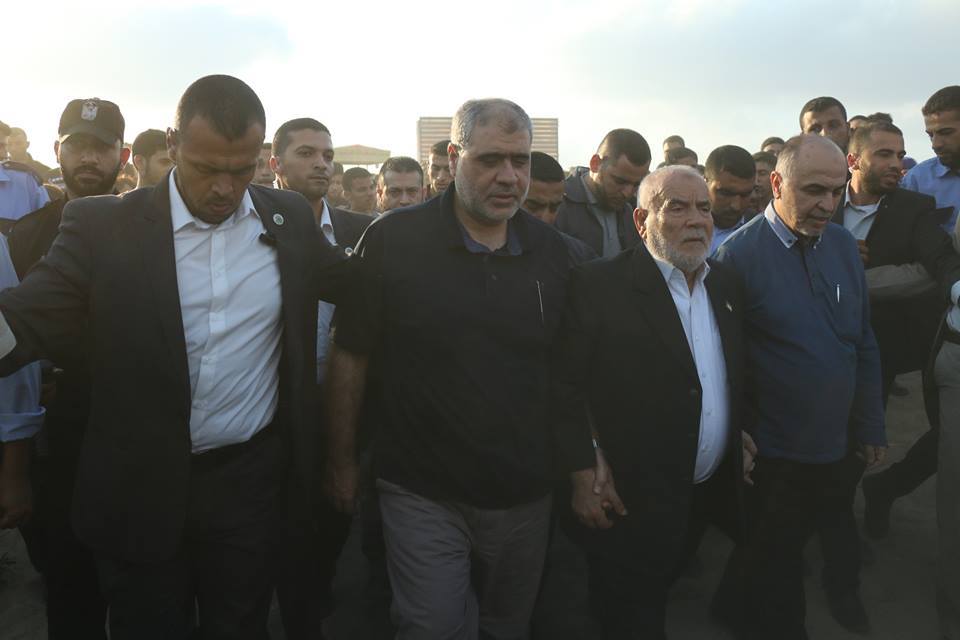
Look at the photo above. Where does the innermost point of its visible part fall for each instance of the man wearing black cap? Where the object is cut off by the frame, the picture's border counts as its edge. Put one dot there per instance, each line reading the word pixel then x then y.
pixel 91 154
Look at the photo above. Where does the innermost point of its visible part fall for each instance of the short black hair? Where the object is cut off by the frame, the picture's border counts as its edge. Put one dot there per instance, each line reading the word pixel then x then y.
pixel 399 164
pixel 732 159
pixel 281 139
pixel 674 156
pixel 439 148
pixel 857 117
pixel 880 116
pixel 545 168
pixel 227 103
pixel 626 142
pixel 674 138
pixel 352 174
pixel 820 104
pixel 946 99
pixel 765 157
pixel 861 135
pixel 772 140
pixel 149 142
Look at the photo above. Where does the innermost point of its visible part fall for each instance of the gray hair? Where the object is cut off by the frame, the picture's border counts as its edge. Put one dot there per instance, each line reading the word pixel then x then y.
pixel 509 115
pixel 650 197
pixel 790 155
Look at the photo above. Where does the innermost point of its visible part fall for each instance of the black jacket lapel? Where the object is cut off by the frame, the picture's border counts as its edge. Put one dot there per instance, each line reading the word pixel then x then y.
pixel 659 307
pixel 155 230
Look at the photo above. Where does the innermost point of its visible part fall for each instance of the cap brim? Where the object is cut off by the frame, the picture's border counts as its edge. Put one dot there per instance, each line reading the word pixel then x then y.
pixel 91 129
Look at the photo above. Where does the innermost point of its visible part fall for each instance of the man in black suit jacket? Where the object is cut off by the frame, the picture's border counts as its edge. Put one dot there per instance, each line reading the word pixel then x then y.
pixel 911 268
pixel 902 248
pixel 651 360
pixel 314 533
pixel 597 208
pixel 196 301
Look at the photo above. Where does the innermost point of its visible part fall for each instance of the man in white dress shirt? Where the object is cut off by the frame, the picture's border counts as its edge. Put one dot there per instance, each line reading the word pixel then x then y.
pixel 651 359
pixel 197 300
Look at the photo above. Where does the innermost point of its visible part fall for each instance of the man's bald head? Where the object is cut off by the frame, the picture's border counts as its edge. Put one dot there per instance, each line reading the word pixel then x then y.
pixel 808 182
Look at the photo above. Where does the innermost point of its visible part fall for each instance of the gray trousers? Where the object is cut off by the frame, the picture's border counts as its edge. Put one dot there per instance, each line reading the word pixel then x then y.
pixel 947 373
pixel 459 572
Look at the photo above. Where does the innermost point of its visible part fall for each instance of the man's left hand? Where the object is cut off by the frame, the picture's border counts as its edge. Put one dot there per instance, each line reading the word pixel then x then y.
pixel 872 455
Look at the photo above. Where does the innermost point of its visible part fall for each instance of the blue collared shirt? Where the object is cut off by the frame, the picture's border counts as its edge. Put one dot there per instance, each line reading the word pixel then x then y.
pixel 19 194
pixel 936 179
pixel 720 235
pixel 813 361
pixel 21 415
pixel 512 248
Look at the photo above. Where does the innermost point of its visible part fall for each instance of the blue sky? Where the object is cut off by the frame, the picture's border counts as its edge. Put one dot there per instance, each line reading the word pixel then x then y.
pixel 715 72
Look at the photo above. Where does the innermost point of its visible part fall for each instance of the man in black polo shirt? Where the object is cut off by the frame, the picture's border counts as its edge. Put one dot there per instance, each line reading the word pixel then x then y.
pixel 459 300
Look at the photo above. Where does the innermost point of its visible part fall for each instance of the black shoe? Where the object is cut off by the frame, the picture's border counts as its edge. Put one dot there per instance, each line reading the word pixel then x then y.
pixel 847 609
pixel 876 511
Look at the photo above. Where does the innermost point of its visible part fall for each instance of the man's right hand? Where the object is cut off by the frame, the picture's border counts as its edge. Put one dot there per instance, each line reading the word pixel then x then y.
pixel 16 500
pixel 340 485
pixel 594 492
pixel 864 251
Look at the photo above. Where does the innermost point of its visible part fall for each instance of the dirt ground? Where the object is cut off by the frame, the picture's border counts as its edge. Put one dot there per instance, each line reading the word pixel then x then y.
pixel 898 588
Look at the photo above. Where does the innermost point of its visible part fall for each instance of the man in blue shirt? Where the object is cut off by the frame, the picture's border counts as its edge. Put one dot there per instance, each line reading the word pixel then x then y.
pixel 940 176
pixel 20 192
pixel 813 374
pixel 20 419
pixel 731 177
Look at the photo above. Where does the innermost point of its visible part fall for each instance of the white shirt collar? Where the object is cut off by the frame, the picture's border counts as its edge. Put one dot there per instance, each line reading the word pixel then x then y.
pixel 669 271
pixel 182 217
pixel 863 208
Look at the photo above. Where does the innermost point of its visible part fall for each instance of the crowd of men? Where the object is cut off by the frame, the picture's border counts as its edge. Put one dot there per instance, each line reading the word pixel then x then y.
pixel 215 361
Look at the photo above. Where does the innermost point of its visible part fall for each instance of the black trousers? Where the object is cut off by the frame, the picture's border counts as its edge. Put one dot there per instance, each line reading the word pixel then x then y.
pixel 788 502
pixel 628 599
pixel 76 608
pixel 313 538
pixel 903 477
pixel 223 573
pixel 839 535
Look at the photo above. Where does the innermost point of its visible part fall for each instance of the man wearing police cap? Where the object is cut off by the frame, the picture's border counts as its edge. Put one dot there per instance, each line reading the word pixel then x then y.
pixel 90 152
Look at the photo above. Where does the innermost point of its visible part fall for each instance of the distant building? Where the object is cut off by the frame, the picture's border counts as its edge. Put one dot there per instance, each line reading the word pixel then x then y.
pixel 432 130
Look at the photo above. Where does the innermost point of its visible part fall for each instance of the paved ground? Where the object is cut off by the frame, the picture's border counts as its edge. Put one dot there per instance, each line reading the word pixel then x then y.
pixel 898 588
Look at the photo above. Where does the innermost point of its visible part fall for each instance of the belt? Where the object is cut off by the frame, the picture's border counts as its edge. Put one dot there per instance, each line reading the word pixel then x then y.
pixel 222 455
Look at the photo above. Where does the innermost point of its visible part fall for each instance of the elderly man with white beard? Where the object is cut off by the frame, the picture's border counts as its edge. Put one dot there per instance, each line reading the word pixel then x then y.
pixel 647 404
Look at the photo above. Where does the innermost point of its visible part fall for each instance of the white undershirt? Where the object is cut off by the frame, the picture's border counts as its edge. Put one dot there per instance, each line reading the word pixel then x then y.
pixel 324 309
pixel 703 338
pixel 229 285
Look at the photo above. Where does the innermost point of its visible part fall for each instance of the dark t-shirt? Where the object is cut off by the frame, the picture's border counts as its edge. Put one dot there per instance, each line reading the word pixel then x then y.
pixel 462 339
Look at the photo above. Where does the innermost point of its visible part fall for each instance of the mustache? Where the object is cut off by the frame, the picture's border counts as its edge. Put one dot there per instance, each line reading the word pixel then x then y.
pixel 695 234
pixel 89 169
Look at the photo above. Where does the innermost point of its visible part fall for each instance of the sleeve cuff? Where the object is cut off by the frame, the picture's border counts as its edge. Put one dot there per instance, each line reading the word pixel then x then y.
pixel 955 292
pixel 7 340
pixel 20 426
